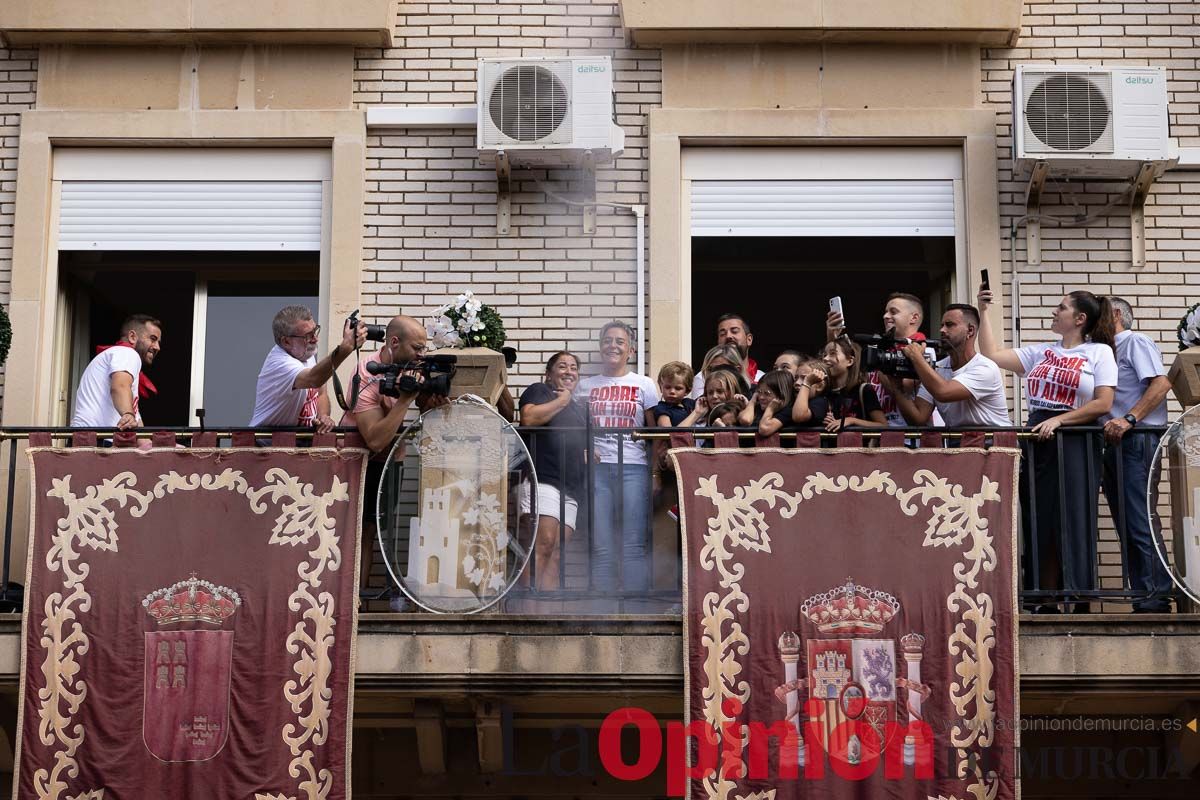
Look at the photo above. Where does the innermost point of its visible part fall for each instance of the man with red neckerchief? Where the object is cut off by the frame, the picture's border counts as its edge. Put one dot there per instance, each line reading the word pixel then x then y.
pixel 111 385
pixel 732 329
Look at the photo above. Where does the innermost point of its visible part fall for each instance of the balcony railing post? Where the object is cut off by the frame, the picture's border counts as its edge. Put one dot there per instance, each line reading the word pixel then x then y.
pixel 1093 496
pixel 617 534
pixel 8 513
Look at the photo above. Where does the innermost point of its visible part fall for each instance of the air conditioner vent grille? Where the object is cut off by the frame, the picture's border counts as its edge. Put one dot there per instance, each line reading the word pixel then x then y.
pixel 1068 112
pixel 528 103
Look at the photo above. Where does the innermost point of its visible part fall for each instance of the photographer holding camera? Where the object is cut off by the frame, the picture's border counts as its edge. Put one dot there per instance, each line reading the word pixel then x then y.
pixel 902 316
pixel 291 384
pixel 966 387
pixel 390 380
pixel 386 385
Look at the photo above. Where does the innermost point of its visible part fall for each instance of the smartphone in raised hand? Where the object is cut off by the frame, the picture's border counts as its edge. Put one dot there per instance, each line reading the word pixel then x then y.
pixel 984 283
pixel 835 305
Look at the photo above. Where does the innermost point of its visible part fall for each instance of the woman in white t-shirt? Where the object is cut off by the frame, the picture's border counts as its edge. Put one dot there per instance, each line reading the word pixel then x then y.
pixel 618 398
pixel 1069 382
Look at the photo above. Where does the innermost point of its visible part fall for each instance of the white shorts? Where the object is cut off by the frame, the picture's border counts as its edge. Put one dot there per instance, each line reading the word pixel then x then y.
pixel 549 504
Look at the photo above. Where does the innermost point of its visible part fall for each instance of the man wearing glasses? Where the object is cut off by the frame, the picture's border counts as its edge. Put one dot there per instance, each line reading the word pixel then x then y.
pixel 291 385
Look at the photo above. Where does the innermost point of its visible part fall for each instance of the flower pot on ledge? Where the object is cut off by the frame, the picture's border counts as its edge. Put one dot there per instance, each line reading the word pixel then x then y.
pixel 1185 377
pixel 480 371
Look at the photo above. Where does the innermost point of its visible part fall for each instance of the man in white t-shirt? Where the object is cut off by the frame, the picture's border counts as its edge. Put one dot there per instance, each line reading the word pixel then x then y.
pixel 109 390
pixel 291 384
pixel 902 317
pixel 1140 400
pixel 966 387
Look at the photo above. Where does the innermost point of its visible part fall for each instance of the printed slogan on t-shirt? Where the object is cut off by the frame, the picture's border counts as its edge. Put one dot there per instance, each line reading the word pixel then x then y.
pixel 615 406
pixel 1054 382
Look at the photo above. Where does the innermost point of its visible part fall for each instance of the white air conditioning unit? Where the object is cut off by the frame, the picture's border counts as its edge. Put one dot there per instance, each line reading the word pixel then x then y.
pixel 547 111
pixel 1089 121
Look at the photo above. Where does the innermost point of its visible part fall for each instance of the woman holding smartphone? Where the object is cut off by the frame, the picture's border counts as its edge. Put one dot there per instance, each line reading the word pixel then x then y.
pixel 1068 382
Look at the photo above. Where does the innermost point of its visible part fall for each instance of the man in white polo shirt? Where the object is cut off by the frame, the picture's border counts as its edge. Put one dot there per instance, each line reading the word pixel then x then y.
pixel 966 387
pixel 291 384
pixel 113 382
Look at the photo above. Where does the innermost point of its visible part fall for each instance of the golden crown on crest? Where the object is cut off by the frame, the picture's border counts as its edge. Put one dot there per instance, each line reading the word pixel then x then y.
pixel 850 609
pixel 192 600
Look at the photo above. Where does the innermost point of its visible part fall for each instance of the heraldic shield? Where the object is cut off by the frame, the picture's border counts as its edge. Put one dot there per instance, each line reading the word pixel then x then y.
pixel 189 659
pixel 856 678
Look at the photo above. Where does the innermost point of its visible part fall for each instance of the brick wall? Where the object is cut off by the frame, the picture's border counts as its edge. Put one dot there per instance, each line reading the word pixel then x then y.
pixel 1097 256
pixel 18 85
pixel 431 210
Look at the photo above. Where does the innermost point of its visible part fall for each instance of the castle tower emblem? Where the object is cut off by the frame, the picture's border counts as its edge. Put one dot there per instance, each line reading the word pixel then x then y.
pixel 188 667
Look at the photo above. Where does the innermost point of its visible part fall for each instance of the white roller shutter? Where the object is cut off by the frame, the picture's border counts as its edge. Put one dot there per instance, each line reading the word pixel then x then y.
pixel 190 215
pixel 822 208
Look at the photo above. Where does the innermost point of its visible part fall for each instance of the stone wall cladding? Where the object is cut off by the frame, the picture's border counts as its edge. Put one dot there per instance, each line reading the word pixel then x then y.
pixel 18 90
pixel 430 211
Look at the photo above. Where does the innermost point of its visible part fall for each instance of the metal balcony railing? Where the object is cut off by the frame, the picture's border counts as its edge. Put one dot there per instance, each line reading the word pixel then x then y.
pixel 624 556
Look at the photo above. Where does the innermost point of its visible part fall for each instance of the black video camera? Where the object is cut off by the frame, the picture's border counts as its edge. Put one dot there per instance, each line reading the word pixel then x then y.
pixel 375 333
pixel 885 353
pixel 437 370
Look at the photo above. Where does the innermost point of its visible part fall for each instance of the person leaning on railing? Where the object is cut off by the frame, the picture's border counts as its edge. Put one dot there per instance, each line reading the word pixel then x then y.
pixel 113 383
pixel 845 399
pixel 558 457
pixel 965 387
pixel 1068 382
pixel 1141 400
pixel 619 399
pixel 291 384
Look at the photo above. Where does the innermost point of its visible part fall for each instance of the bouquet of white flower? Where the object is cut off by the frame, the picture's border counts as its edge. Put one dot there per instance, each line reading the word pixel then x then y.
pixel 1189 328
pixel 467 322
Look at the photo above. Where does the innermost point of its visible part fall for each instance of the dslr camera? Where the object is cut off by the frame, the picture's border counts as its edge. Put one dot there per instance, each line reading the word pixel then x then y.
pixel 885 353
pixel 375 333
pixel 437 371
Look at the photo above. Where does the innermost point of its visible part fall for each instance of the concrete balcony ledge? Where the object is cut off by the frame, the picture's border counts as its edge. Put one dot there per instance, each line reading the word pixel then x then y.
pixel 353 22
pixel 441 655
pixel 656 22
pixel 423 654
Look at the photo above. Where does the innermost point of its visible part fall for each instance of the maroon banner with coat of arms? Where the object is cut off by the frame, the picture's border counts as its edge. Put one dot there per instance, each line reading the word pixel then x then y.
pixel 850 622
pixel 189 623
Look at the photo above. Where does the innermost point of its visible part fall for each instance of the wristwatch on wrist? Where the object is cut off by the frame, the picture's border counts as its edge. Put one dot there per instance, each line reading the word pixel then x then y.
pixel 1131 419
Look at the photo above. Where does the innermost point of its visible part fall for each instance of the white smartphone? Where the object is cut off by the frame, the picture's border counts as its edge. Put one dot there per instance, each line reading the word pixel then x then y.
pixel 835 304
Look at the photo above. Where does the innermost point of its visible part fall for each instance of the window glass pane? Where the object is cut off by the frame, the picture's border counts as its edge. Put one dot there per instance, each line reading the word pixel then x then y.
pixel 237 340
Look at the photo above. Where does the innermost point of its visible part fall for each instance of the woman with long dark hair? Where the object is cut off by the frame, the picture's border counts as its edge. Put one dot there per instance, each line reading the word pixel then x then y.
pixel 1070 382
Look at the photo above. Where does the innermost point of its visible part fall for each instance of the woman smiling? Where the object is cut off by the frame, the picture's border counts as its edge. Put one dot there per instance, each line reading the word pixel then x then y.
pixel 618 398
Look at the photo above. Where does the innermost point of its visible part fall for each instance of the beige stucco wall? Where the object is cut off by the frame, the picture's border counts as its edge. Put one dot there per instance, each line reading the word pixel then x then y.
pixel 244 77
pixel 139 21
pixel 675 21
pixel 821 76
